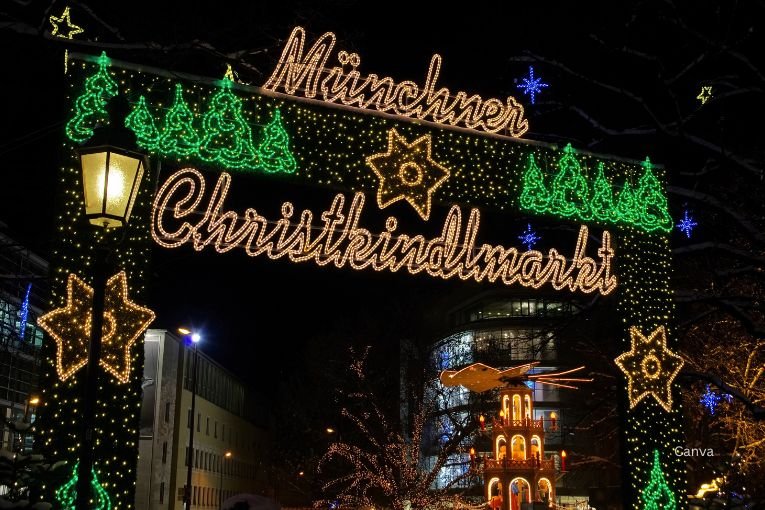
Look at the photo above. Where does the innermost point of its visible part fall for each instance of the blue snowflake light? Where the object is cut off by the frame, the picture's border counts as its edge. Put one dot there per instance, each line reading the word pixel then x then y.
pixel 532 86
pixel 711 399
pixel 687 224
pixel 529 237
pixel 24 313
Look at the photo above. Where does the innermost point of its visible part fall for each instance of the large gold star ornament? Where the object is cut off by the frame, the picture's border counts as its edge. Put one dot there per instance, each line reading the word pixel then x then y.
pixel 407 172
pixel 650 367
pixel 70 327
pixel 124 322
pixel 63 26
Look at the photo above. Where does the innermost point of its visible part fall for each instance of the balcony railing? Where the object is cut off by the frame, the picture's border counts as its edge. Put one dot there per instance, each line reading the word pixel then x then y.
pixel 518 464
pixel 527 422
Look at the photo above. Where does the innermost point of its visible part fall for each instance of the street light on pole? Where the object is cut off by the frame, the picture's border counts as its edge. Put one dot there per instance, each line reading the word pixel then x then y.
pixel 226 455
pixel 194 339
pixel 111 177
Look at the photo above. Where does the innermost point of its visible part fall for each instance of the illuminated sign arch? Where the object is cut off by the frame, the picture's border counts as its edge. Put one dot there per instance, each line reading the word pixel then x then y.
pixel 615 210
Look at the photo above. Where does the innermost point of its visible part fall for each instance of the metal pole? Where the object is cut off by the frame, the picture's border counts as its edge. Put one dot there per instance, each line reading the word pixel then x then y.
pixel 220 486
pixel 90 383
pixel 187 492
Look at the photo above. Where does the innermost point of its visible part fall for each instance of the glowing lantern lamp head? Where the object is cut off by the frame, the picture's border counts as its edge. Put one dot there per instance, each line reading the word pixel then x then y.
pixel 111 171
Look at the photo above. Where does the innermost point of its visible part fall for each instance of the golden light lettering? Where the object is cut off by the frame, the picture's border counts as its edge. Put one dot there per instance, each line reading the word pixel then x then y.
pixel 342 242
pixel 307 73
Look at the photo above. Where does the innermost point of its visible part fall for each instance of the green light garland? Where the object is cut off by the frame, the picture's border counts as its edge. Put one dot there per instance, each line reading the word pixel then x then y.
pixel 227 137
pixel 274 150
pixel 569 188
pixel 644 208
pixel 89 107
pixel 657 495
pixel 534 195
pixel 179 138
pixel 66 495
pixel 141 121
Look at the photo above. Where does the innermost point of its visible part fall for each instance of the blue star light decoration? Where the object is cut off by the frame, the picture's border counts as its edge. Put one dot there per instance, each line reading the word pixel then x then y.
pixel 532 86
pixel 24 313
pixel 529 237
pixel 711 399
pixel 687 224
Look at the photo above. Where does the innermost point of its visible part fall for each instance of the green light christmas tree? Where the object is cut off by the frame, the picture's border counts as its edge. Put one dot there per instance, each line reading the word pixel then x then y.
pixel 141 121
pixel 626 204
pixel 179 137
pixel 66 495
pixel 534 195
pixel 602 202
pixel 569 188
pixel 227 135
pixel 657 495
pixel 89 108
pixel 652 202
pixel 274 150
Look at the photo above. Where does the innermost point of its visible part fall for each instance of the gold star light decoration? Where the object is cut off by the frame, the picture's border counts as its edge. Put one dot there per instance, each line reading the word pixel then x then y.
pixel 70 327
pixel 407 172
pixel 650 367
pixel 705 94
pixel 64 28
pixel 124 322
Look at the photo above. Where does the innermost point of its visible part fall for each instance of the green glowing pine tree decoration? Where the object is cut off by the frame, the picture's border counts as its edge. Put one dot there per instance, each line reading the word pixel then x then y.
pixel 274 150
pixel 89 108
pixel 653 212
pixel 534 195
pixel 66 495
pixel 657 495
pixel 602 202
pixel 141 121
pixel 227 135
pixel 179 137
pixel 569 188
pixel 626 205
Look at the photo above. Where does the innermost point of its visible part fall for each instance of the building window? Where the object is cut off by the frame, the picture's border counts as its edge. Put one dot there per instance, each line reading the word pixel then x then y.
pixel 164 452
pixel 167 412
pixel 207 428
pixel 161 493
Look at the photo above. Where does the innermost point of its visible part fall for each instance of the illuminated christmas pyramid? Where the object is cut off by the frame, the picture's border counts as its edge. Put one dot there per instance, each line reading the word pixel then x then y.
pixel 517 461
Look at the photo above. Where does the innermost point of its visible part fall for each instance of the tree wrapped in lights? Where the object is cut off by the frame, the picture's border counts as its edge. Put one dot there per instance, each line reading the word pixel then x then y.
pixel 141 121
pixel 657 495
pixel 179 137
pixel 227 135
pixel 602 202
pixel 534 195
pixel 90 107
pixel 384 467
pixel 274 150
pixel 570 195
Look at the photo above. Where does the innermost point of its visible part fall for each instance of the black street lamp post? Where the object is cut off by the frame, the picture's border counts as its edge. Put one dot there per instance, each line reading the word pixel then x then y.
pixel 111 176
pixel 194 337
